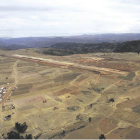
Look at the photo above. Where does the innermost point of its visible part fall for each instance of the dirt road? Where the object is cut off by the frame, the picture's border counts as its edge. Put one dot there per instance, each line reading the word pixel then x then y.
pixel 15 73
pixel 65 64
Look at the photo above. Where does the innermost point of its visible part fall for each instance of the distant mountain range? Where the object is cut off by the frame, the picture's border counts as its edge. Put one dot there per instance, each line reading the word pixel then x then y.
pixel 41 42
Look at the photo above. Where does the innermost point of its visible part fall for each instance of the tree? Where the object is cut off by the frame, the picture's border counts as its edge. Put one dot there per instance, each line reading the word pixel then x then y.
pixel 21 128
pixel 111 100
pixel 89 119
pixel 102 137
pixel 29 136
pixel 13 135
pixel 16 135
pixel 63 133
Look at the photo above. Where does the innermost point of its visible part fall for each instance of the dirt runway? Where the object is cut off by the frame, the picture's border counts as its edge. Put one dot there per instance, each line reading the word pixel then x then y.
pixel 69 65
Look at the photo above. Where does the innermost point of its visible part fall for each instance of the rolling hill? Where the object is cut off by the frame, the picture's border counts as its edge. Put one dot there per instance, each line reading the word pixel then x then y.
pixel 40 42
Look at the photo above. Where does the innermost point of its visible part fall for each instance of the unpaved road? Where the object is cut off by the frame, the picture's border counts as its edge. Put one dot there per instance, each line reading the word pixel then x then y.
pixel 15 73
pixel 70 65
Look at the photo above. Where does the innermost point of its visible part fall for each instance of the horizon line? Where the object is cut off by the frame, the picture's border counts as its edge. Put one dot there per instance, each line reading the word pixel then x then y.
pixel 53 36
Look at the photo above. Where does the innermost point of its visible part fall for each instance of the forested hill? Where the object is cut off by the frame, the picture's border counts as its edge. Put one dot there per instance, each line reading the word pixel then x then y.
pixel 130 46
pixel 78 48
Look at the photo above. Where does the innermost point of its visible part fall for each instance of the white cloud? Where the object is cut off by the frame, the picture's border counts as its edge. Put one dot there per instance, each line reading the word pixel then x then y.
pixel 67 17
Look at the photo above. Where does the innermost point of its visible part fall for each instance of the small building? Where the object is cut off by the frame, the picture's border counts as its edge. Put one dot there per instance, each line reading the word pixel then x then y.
pixel 4 92
pixel 3 88
pixel 13 106
pixel 0 100
pixel 7 118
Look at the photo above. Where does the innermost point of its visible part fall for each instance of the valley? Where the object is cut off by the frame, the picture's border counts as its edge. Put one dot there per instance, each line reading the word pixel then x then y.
pixel 74 96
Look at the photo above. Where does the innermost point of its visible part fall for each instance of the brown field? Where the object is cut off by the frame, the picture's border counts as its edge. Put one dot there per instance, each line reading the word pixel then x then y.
pixel 53 94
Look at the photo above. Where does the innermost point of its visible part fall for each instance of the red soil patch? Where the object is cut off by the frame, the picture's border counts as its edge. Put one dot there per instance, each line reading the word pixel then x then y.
pixel 75 92
pixel 107 125
pixel 125 133
pixel 35 99
pixel 71 90
pixel 129 103
pixel 62 92
pixel 108 64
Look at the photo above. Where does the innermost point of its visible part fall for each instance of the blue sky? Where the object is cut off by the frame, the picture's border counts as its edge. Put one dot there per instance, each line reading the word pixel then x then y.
pixel 19 18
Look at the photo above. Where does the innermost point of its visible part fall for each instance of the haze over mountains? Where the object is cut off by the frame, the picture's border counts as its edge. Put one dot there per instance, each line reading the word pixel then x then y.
pixel 40 42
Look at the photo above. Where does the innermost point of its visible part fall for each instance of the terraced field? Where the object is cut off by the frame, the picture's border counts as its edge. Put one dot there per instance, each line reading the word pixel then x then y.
pixel 67 102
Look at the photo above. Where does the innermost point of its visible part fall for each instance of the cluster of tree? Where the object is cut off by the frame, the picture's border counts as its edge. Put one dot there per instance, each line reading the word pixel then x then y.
pixel 102 137
pixel 20 128
pixel 16 135
pixel 62 49
pixel 131 46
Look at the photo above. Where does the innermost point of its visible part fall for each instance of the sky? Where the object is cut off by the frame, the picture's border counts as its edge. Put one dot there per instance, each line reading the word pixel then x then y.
pixel 23 18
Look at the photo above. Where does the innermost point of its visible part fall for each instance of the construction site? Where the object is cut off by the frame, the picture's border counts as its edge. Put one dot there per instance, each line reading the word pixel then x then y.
pixel 72 97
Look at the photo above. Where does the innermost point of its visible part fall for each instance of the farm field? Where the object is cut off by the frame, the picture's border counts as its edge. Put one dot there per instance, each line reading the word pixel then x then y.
pixel 75 96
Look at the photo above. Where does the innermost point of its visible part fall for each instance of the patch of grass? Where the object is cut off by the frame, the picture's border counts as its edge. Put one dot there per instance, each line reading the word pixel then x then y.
pixel 136 109
pixel 66 77
pixel 73 108
pixel 129 77
pixel 98 89
pixel 22 89
pixel 86 92
pixel 131 84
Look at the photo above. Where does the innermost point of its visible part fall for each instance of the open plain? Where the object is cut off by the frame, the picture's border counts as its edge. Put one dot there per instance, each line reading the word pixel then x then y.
pixel 75 96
